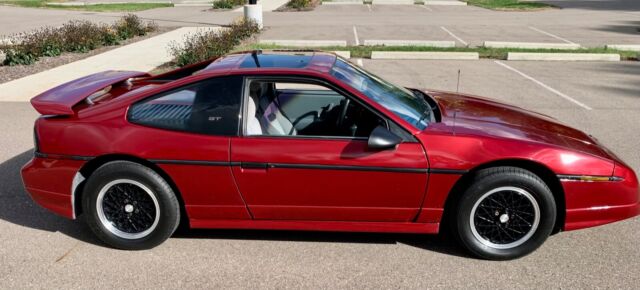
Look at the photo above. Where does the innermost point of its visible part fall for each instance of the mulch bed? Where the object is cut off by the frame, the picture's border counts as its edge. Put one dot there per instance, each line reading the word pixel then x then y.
pixel 8 73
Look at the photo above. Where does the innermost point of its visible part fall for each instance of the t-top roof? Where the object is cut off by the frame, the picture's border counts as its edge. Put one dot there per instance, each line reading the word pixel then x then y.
pixel 315 60
pixel 276 60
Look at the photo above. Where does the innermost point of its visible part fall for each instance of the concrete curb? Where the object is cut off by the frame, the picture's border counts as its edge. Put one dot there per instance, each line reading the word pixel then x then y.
pixel 444 3
pixel 303 43
pixel 392 2
pixel 428 43
pixel 193 5
pixel 343 53
pixel 563 56
pixel 626 47
pixel 343 3
pixel 530 45
pixel 435 55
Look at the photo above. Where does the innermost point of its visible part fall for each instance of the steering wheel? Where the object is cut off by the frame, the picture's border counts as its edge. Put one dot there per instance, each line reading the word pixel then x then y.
pixel 343 112
pixel 313 114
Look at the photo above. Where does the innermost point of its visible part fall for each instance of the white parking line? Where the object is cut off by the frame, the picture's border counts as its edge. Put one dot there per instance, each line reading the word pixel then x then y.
pixel 426 7
pixel 544 86
pixel 552 35
pixel 369 7
pixel 359 62
pixel 454 36
pixel 355 35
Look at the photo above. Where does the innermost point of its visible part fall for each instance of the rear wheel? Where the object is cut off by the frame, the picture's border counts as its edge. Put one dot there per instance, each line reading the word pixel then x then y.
pixel 129 206
pixel 506 213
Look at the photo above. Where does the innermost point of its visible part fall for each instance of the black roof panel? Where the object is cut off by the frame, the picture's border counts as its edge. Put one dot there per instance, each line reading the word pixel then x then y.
pixel 256 60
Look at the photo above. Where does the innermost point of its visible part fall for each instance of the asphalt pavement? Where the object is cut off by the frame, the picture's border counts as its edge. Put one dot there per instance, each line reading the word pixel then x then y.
pixel 589 26
pixel 41 250
pixel 588 23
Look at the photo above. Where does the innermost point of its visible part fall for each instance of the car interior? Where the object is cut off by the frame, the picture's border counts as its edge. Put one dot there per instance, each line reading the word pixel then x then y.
pixel 278 108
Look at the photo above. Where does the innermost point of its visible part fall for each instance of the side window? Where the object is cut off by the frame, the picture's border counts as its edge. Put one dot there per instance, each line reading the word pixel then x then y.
pixel 278 108
pixel 209 107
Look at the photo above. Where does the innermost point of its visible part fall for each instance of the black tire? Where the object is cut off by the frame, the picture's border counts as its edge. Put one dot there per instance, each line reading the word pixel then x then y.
pixel 156 206
pixel 503 229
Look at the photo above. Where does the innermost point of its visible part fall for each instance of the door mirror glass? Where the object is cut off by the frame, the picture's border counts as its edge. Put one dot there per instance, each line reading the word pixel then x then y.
pixel 381 138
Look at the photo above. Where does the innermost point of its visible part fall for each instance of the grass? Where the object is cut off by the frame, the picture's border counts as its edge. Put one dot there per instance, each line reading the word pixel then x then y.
pixel 24 3
pixel 484 52
pixel 509 4
pixel 115 7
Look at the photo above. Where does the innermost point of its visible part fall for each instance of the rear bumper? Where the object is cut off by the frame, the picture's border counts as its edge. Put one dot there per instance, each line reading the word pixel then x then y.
pixel 50 183
pixel 592 204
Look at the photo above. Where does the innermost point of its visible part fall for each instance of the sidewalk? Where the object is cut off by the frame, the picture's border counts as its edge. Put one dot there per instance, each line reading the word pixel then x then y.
pixel 144 55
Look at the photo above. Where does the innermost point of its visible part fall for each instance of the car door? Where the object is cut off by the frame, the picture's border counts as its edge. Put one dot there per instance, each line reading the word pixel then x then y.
pixel 304 156
pixel 186 131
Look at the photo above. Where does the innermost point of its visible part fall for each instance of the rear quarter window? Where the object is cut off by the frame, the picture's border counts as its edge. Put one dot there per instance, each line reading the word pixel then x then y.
pixel 210 107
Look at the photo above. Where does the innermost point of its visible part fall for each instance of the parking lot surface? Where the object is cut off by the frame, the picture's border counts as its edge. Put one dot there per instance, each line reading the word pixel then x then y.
pixel 41 250
pixel 587 23
pixel 589 26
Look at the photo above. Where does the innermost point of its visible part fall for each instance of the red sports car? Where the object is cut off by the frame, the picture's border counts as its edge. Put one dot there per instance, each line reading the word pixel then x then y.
pixel 308 141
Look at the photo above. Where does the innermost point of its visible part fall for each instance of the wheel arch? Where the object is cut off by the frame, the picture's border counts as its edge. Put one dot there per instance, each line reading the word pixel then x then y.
pixel 542 171
pixel 92 165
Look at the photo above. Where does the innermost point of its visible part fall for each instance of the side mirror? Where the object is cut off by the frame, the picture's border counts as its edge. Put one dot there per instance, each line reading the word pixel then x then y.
pixel 381 138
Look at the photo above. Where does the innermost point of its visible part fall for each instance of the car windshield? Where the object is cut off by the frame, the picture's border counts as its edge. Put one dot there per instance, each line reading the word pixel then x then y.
pixel 411 107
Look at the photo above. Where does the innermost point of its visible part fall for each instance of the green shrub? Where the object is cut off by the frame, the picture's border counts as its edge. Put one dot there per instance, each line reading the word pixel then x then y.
pixel 81 36
pixel 228 4
pixel 299 4
pixel 241 30
pixel 130 25
pixel 46 42
pixel 73 36
pixel 205 45
pixel 14 57
pixel 110 36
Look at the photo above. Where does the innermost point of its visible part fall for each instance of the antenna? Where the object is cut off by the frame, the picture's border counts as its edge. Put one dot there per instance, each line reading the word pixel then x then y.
pixel 458 84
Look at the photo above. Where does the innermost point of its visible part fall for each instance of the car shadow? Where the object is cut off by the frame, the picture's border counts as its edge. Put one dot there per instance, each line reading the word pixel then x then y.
pixel 435 243
pixel 17 207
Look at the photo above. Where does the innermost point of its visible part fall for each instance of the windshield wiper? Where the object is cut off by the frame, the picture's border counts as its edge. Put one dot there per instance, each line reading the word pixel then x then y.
pixel 419 94
pixel 426 114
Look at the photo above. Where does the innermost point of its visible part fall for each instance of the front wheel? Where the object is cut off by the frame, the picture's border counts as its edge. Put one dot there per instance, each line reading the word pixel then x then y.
pixel 506 213
pixel 129 206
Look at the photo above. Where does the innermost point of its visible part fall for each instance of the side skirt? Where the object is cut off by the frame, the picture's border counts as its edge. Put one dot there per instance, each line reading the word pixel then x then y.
pixel 333 226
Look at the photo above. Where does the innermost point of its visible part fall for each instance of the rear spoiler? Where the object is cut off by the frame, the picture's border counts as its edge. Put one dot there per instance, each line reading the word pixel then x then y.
pixel 61 99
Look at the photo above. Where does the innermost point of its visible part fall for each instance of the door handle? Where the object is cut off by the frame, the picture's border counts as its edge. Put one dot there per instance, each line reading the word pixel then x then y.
pixel 253 165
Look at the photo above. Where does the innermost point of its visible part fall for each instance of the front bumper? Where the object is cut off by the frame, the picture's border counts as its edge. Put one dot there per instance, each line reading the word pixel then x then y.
pixel 50 183
pixel 599 215
pixel 592 204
